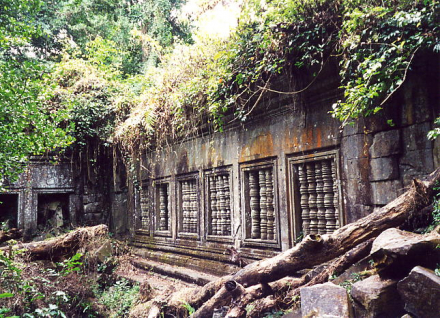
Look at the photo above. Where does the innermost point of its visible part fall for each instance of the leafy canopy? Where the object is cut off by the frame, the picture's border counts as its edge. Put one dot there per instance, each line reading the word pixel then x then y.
pixel 28 123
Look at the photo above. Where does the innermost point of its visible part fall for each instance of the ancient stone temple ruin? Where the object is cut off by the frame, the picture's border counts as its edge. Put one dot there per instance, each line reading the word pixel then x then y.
pixel 288 171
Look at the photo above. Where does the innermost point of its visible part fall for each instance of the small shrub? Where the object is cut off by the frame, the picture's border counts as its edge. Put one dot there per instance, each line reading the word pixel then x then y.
pixel 119 298
pixel 71 265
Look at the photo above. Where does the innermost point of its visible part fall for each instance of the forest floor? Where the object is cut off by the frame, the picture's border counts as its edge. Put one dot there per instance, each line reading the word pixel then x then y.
pixel 98 280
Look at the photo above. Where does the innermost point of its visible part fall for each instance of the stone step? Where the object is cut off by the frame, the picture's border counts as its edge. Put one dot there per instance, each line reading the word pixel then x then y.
pixel 182 273
pixel 200 264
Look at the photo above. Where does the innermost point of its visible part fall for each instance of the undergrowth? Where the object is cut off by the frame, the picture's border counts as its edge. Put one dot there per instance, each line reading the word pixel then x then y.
pixel 78 286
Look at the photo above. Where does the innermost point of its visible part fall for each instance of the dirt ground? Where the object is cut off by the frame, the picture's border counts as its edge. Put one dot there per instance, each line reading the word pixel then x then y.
pixel 160 284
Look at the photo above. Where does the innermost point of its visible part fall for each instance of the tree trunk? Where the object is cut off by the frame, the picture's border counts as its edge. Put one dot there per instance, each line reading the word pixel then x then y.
pixel 289 287
pixel 64 246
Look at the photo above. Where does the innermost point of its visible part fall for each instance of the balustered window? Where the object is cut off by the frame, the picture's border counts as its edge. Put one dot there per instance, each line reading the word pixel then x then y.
pixel 218 204
pixel 260 203
pixel 145 211
pixel 163 215
pixel 316 194
pixel 189 207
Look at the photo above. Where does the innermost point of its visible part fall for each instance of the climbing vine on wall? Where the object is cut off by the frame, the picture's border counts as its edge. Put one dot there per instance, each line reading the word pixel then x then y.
pixel 374 42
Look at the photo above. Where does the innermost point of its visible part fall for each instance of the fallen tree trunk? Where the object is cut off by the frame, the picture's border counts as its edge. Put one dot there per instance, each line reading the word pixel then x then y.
pixel 64 246
pixel 287 288
pixel 11 234
pixel 317 249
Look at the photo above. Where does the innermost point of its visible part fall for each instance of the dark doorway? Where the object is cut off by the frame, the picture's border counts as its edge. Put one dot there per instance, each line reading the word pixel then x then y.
pixel 8 210
pixel 53 210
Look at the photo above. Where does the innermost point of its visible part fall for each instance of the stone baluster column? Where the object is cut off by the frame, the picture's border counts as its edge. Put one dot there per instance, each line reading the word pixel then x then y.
pixel 304 199
pixel 194 207
pixel 312 198
pixel 213 205
pixel 320 198
pixel 163 208
pixel 328 197
pixel 221 204
pixel 185 206
pixel 263 207
pixel 271 224
pixel 335 195
pixel 227 210
pixel 254 203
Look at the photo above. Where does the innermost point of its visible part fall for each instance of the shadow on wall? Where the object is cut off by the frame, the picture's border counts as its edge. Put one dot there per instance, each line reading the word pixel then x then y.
pixel 9 210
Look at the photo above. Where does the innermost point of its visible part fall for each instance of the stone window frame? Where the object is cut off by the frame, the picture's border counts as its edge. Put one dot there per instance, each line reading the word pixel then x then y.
pixel 214 172
pixel 245 168
pixel 293 188
pixel 156 210
pixel 179 217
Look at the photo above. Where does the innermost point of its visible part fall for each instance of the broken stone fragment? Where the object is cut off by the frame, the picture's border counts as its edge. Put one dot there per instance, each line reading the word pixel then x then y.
pixel 325 300
pixel 376 297
pixel 104 251
pixel 396 252
pixel 421 292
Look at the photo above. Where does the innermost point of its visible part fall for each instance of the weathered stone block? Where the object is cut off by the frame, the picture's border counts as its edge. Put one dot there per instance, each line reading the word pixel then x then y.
pixel 94 207
pixel 325 300
pixel 92 218
pixel 421 292
pixel 436 152
pixel 385 144
pixel 396 252
pixel 358 169
pixel 357 192
pixel 384 169
pixel 386 191
pixel 358 211
pixel 414 137
pixel 293 314
pixel 375 297
pixel 416 164
pixel 105 251
pixel 355 146
pixel 415 102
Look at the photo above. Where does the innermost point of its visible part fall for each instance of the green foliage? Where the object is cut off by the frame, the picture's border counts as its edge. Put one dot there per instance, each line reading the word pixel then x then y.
pixel 374 41
pixel 29 126
pixel 28 123
pixel 274 314
pixel 191 310
pixel 435 212
pixel 71 265
pixel 119 298
pixel 433 134
pixel 356 277
pixel 379 41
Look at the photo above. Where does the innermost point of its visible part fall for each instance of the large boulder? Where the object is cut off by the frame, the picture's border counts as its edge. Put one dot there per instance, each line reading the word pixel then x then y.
pixel 376 297
pixel 396 252
pixel 421 293
pixel 325 300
